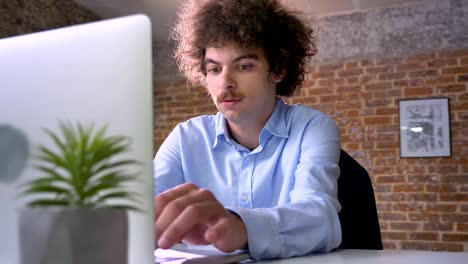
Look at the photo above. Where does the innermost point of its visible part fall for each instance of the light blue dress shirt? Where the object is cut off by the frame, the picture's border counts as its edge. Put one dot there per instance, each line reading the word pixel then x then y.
pixel 285 190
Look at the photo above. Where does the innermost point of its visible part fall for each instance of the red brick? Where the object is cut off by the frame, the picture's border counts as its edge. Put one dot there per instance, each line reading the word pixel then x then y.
pixel 407 207
pixel 462 78
pixel 331 82
pixel 438 226
pixel 307 100
pixel 439 207
pixel 331 98
pixel 385 161
pixel 389 245
pixel 408 83
pixel 459 106
pixel 390 179
pixel 366 63
pixel 381 69
pixel 424 217
pixel 444 169
pixel 377 120
pixel 404 226
pixel 392 76
pixel 352 80
pixel 382 188
pixel 452 197
pixel 423 236
pixel 381 137
pixel 418 91
pixel 349 89
pixel 351 65
pixel 388 128
pixel 455 237
pixel 462 227
pixel 367 79
pixel 423 73
pixel 384 207
pixel 386 111
pixel 323 75
pixel 390 197
pixel 455 70
pixel 317 91
pixel 414 246
pixel 408 188
pixel 421 197
pixel 453 247
pixel 454 179
pixel 464 61
pixel 388 94
pixel 394 235
pixel 438 188
pixel 463 218
pixel 440 80
pixel 378 102
pixel 351 72
pixel 378 86
pixel 441 63
pixel 387 145
pixel 454 88
pixel 410 66
pixel 413 170
pixel 330 67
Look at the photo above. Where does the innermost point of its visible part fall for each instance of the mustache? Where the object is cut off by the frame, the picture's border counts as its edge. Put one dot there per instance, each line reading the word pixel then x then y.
pixel 227 96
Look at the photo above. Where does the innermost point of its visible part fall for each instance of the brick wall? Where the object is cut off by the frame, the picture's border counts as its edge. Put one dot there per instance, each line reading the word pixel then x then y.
pixel 422 202
pixel 27 16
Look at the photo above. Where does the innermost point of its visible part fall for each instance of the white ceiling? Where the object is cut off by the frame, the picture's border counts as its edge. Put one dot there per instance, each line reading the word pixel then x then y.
pixel 163 12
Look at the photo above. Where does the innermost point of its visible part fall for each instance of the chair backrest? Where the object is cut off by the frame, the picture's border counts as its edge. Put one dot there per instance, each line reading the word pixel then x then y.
pixel 358 215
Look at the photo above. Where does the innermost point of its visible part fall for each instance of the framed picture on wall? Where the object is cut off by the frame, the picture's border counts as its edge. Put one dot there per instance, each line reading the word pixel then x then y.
pixel 425 128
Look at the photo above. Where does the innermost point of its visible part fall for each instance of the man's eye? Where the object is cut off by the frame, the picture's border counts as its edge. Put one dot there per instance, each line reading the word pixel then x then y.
pixel 213 70
pixel 245 67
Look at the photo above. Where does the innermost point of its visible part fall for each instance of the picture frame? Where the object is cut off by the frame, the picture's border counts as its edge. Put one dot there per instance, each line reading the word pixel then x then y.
pixel 425 127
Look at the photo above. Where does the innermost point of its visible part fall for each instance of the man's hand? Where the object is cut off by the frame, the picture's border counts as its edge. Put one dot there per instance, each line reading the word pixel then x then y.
pixel 193 215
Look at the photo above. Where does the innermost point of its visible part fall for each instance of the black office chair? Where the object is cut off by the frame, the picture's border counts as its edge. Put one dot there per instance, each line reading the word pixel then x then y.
pixel 358 216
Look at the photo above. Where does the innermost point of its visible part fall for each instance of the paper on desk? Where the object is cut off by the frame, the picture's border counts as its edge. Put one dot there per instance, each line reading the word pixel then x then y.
pixel 182 253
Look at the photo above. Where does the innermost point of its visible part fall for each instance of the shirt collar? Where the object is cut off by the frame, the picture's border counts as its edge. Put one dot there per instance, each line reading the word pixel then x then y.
pixel 276 124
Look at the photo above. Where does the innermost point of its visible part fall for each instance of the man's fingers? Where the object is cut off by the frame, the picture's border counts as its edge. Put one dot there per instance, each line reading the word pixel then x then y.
pixel 174 208
pixel 228 234
pixel 194 215
pixel 166 197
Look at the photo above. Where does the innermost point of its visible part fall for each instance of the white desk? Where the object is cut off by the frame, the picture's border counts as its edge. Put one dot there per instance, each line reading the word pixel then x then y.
pixel 378 257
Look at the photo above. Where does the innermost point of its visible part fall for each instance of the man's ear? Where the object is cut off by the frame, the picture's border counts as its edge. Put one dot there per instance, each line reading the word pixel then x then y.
pixel 278 77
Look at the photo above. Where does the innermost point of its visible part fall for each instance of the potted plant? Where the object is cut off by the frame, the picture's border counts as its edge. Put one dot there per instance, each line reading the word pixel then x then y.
pixel 77 206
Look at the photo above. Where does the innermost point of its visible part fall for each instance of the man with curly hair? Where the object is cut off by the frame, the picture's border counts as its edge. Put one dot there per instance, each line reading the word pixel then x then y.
pixel 260 174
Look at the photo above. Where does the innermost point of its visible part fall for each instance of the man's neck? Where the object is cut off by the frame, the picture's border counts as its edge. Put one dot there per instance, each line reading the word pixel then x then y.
pixel 247 133
pixel 246 136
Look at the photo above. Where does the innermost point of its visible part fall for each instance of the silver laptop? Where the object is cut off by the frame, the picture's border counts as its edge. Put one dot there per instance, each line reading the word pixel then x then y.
pixel 98 73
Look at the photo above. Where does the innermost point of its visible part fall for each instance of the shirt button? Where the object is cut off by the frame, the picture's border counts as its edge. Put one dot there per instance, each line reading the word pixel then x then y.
pixel 244 197
pixel 247 158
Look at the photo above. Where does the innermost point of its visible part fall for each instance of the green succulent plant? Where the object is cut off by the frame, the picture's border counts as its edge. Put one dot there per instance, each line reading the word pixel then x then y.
pixel 85 170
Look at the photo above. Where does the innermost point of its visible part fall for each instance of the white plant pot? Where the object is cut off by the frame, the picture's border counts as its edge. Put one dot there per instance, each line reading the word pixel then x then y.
pixel 73 236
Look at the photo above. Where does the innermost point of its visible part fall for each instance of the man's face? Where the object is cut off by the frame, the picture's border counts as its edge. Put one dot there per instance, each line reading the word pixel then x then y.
pixel 239 84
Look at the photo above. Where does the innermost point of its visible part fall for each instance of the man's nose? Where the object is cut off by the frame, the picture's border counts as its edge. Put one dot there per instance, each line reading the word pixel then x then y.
pixel 227 79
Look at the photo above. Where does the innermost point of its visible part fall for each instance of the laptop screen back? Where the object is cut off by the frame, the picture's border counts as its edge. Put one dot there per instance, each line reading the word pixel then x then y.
pixel 98 73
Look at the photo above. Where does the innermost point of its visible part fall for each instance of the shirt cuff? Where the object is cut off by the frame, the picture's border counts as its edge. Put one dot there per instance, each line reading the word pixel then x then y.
pixel 261 239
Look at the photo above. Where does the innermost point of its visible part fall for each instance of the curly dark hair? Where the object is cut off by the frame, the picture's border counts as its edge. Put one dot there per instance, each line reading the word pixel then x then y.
pixel 285 39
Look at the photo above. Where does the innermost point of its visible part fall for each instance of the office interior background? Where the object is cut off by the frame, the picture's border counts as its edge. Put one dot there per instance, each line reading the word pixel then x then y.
pixel 367 61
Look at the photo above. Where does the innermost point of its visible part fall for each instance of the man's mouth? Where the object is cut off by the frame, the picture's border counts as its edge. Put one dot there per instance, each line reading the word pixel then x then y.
pixel 230 101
